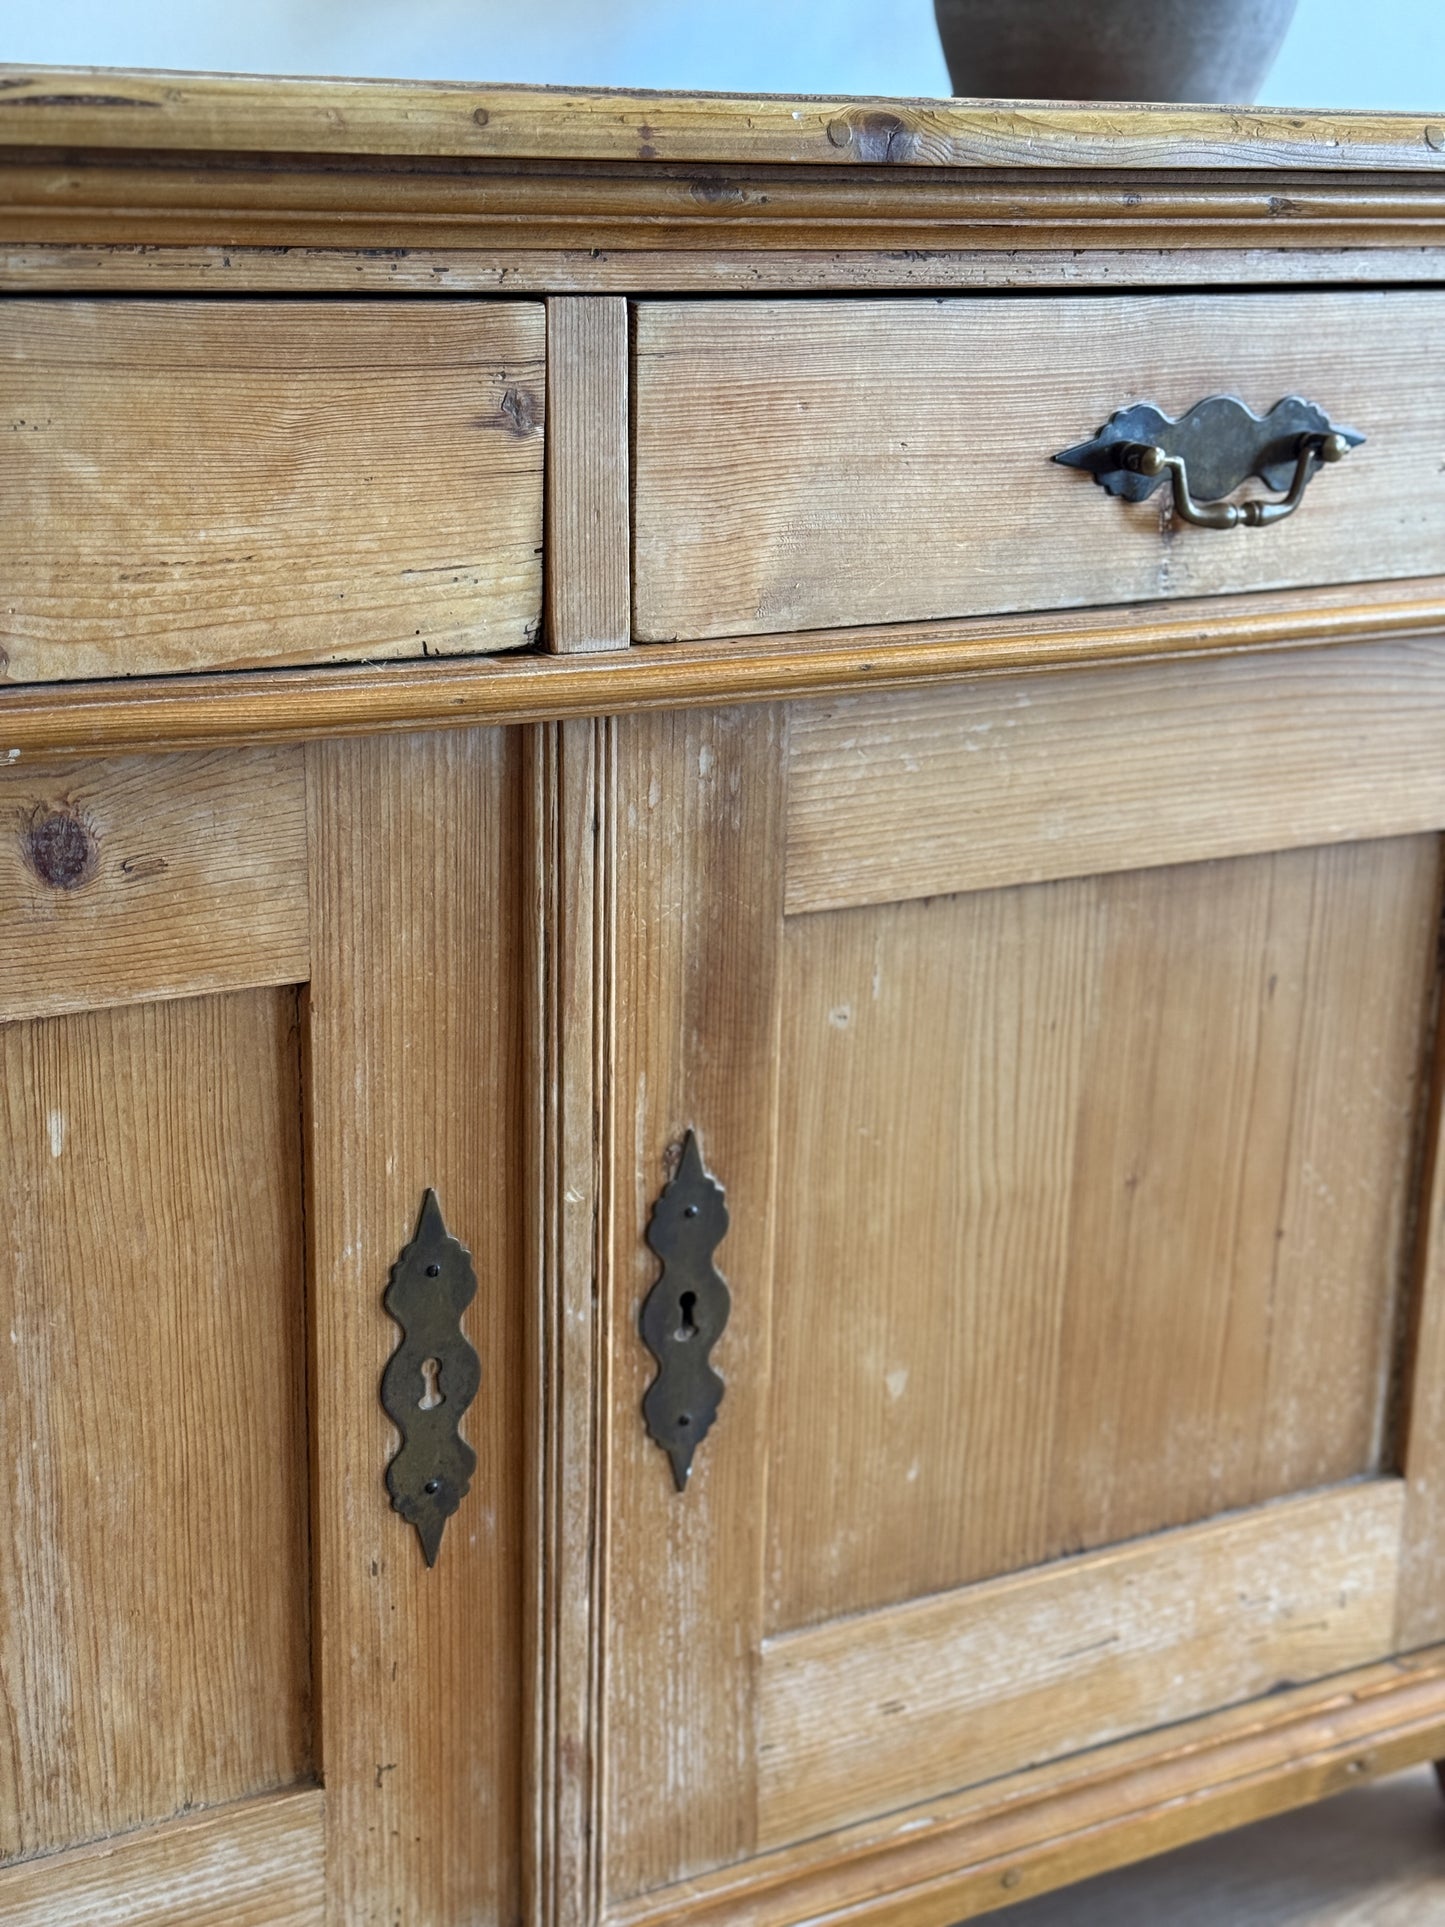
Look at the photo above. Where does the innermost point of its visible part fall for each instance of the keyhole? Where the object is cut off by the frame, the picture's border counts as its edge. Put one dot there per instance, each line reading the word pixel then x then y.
pixel 687 1304
pixel 431 1371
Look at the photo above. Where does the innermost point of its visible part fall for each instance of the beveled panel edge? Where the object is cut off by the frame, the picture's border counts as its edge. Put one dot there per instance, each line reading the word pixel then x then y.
pixel 948 1860
pixel 296 705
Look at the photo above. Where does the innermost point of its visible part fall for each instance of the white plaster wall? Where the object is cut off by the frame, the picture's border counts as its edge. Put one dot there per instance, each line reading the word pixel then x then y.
pixel 1341 53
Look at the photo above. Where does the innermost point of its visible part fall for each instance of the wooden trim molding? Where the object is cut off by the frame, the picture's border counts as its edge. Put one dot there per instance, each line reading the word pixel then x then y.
pixel 295 705
pixel 949 1860
pixel 62 194
pixel 89 107
pixel 98 267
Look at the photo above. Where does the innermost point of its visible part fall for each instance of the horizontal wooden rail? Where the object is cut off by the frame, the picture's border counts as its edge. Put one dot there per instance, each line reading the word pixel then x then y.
pixel 948 1860
pixel 83 106
pixel 259 706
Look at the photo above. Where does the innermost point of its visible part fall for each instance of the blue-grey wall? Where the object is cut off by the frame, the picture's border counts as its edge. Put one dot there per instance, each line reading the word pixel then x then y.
pixel 1340 53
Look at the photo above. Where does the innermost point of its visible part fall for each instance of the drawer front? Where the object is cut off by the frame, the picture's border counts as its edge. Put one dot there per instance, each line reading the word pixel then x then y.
pixel 213 485
pixel 807 464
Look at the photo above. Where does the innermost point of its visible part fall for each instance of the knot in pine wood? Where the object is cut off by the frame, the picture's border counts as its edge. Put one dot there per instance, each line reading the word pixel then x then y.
pixel 59 846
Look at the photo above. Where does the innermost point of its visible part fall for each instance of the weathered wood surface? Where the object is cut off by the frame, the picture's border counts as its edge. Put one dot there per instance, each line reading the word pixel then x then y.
pixel 947 1860
pixel 1368 1858
pixel 268 706
pixel 214 485
pixel 589 551
pixel 810 463
pixel 1093 1198
pixel 414 1032
pixel 698 896
pixel 89 107
pixel 118 267
pixel 138 877
pixel 296 201
pixel 255 1864
pixel 1024 779
pixel 901 1705
pixel 155 1642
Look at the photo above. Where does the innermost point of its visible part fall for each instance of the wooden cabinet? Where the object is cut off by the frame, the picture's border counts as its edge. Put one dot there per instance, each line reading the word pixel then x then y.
pixel 900 1126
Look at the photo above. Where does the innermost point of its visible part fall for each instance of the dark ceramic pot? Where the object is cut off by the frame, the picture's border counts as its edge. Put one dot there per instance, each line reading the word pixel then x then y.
pixel 1165 50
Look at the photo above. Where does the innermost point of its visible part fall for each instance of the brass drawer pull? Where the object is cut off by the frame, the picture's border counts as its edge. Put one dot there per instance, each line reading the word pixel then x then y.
pixel 1222 443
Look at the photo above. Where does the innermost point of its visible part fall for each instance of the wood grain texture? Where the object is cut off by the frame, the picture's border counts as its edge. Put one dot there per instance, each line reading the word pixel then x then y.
pixel 150 876
pixel 298 705
pixel 154 1646
pixel 1023 779
pixel 572 795
pixel 120 267
pixel 877 1713
pixel 1094 1200
pixel 698 892
pixel 255 1864
pixel 941 1861
pixel 1421 1444
pixel 1368 1858
pixel 414 1047
pixel 589 558
pixel 110 107
pixel 801 464
pixel 285 200
pixel 192 485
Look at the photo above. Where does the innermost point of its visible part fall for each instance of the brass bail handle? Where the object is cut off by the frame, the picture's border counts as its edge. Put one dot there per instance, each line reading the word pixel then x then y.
pixel 1149 459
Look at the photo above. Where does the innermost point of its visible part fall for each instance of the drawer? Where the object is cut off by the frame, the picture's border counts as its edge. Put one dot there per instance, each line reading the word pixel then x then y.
pixel 217 484
pixel 805 464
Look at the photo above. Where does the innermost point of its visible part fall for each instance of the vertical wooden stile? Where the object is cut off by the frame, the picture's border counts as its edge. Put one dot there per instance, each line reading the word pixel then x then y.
pixel 414 1059
pixel 699 894
pixel 569 931
pixel 589 562
pixel 1422 1551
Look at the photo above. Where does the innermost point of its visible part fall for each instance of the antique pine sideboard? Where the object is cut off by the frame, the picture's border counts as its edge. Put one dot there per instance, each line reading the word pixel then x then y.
pixel 593 824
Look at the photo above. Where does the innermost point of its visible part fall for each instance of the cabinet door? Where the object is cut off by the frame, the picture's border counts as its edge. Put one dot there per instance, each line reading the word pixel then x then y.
pixel 253 1004
pixel 1064 1047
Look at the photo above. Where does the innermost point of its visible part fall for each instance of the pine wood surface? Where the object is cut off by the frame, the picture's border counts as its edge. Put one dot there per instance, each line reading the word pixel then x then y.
pixel 943 1861
pixel 138 877
pixel 1115 1237
pixel 571 784
pixel 698 892
pixel 200 485
pixel 803 464
pixel 1372 1857
pixel 866 1715
pixel 255 1864
pixel 155 1653
pixel 414 1039
pixel 1422 1430
pixel 113 107
pixel 534 964
pixel 112 266
pixel 589 554
pixel 290 200
pixel 1132 766
pixel 305 704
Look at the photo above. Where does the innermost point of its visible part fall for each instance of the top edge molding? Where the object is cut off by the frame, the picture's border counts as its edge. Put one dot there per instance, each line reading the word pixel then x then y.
pixel 237 113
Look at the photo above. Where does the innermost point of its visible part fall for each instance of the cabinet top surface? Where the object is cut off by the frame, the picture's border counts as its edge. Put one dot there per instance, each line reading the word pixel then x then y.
pixel 215 113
